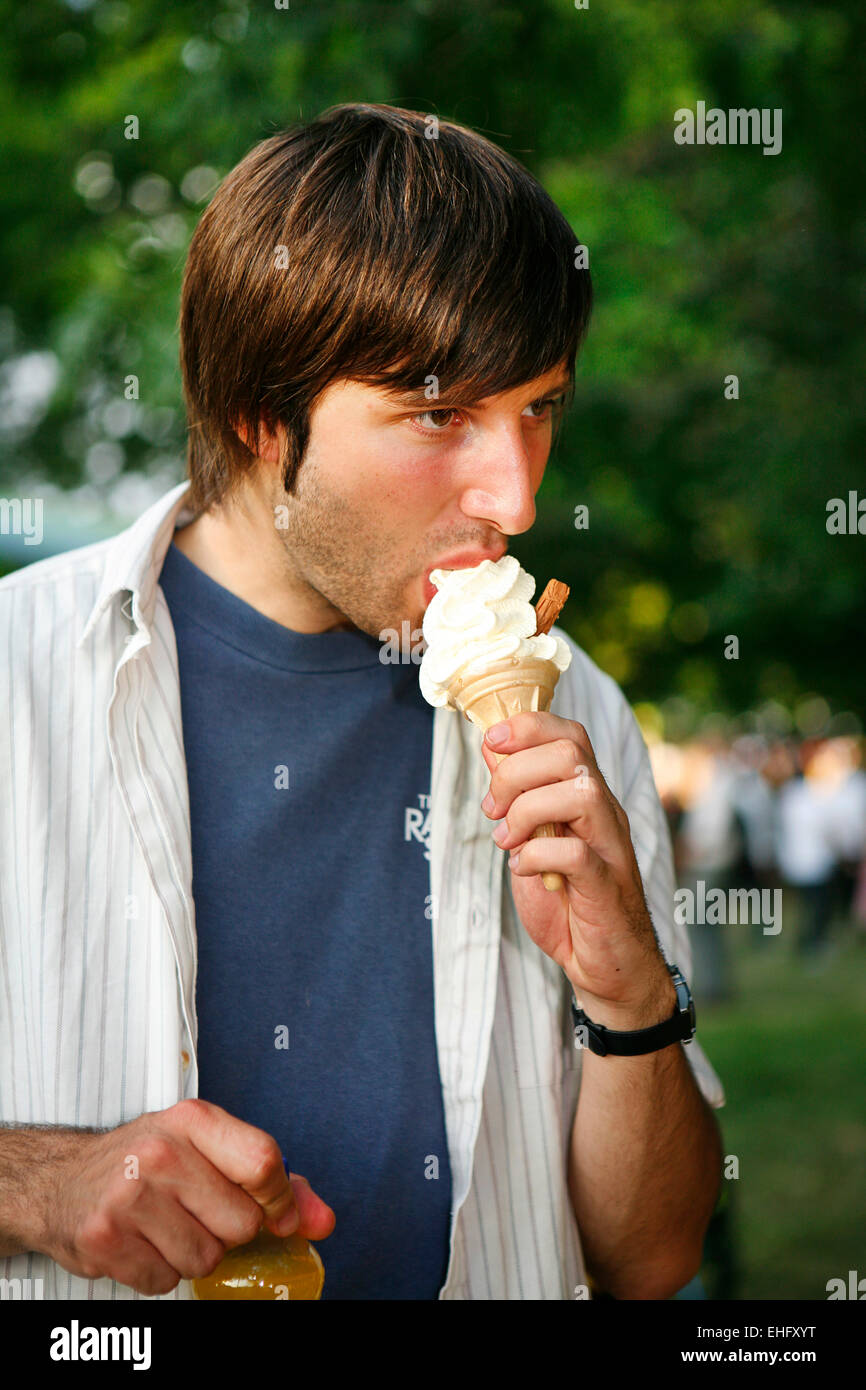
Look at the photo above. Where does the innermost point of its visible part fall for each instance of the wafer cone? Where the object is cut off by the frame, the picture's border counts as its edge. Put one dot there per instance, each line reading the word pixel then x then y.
pixel 505 688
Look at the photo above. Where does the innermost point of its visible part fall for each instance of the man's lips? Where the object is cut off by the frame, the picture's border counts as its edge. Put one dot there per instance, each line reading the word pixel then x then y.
pixel 463 560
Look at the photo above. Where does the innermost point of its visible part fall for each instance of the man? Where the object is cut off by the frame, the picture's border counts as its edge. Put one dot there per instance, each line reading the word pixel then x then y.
pixel 251 900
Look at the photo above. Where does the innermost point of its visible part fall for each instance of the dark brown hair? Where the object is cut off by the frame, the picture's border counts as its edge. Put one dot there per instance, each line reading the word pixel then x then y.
pixel 355 246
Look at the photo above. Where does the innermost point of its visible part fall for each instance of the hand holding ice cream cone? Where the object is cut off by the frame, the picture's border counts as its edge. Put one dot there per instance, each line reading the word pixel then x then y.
pixel 491 656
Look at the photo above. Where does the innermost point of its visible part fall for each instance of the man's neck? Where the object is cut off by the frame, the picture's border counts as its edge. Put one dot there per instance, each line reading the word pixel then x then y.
pixel 239 552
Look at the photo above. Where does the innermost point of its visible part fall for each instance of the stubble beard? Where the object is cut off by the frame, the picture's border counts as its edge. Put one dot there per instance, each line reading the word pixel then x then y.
pixel 335 552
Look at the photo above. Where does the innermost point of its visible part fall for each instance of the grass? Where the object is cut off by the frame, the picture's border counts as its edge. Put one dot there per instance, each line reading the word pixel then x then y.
pixel 790 1049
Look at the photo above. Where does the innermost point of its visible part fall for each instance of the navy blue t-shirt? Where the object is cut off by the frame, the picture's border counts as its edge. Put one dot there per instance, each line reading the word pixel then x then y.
pixel 308 763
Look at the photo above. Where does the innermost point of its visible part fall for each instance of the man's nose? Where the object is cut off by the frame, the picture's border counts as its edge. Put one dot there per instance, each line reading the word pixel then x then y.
pixel 501 485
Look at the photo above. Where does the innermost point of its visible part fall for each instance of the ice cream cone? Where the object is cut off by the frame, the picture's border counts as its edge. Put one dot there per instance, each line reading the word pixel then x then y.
pixel 506 688
pixel 476 616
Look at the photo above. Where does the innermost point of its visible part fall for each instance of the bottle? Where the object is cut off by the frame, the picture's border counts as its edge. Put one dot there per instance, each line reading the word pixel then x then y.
pixel 269 1266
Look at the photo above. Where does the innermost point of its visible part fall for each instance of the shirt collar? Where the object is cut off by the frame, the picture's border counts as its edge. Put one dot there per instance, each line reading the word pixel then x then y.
pixel 135 556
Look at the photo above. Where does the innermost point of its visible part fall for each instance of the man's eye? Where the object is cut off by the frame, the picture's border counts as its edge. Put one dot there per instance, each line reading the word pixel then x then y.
pixel 438 425
pixel 547 403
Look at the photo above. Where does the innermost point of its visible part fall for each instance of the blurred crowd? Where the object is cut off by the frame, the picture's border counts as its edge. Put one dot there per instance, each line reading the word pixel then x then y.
pixel 751 813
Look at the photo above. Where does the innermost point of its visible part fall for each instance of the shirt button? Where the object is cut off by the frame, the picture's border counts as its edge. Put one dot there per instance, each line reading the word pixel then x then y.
pixel 184 1057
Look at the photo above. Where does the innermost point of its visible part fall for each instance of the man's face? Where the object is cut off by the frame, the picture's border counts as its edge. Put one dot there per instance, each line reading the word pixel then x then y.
pixel 392 487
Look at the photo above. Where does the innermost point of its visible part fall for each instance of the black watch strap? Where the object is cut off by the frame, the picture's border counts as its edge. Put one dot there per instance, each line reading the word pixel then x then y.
pixel 680 1027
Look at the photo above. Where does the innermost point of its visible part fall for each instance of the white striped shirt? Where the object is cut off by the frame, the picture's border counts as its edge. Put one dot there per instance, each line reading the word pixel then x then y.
pixel 97 931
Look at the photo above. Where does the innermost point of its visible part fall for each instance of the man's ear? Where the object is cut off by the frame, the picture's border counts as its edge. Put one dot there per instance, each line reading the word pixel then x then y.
pixel 266 447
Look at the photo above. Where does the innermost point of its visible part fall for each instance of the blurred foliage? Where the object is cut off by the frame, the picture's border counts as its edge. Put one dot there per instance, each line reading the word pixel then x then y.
pixel 707 516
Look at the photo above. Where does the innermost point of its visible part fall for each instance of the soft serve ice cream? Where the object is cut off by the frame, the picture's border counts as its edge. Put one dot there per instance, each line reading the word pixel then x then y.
pixel 479 616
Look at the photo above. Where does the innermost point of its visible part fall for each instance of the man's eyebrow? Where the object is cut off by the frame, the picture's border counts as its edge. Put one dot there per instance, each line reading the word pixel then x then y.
pixel 456 397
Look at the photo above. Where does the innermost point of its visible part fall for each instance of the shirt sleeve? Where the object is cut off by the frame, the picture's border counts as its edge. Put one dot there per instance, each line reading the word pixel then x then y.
pixel 652 844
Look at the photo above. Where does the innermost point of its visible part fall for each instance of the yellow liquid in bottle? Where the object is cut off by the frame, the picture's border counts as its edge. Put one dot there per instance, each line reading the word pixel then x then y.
pixel 274 1267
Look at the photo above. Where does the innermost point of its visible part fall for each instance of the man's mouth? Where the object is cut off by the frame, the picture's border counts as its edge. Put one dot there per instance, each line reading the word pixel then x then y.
pixel 461 560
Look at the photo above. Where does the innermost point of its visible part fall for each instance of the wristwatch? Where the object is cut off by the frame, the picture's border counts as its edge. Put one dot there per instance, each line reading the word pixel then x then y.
pixel 680 1027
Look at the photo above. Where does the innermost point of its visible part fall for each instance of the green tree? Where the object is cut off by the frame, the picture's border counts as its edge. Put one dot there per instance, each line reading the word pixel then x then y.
pixel 707 515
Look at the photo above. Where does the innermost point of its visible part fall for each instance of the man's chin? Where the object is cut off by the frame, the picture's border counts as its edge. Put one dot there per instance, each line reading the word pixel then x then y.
pixel 405 626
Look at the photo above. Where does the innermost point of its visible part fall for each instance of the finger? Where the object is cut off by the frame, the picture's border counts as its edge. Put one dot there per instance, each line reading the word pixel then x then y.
pixel 540 766
pixel 570 856
pixel 246 1155
pixel 139 1265
pixel 182 1241
pixel 532 727
pixel 222 1207
pixel 317 1219
pixel 581 804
